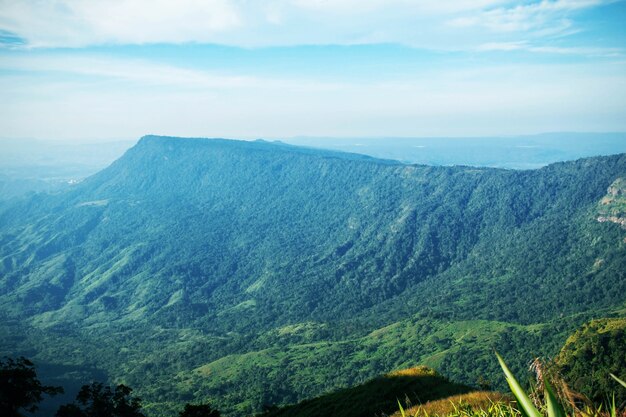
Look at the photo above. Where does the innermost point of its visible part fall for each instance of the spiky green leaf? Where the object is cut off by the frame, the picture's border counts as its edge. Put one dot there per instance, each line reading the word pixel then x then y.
pixel 522 398
pixel 401 409
pixel 554 407
pixel 618 380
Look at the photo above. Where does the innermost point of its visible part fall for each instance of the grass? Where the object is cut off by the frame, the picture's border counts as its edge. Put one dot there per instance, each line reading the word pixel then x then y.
pixel 478 403
pixel 559 402
pixel 618 380
pixel 544 400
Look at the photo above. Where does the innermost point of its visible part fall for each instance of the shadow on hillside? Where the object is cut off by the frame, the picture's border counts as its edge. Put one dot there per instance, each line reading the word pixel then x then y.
pixel 378 396
pixel 70 377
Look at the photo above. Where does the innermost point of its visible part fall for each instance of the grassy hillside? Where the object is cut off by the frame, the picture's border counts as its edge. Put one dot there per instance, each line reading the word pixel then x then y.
pixel 252 273
pixel 478 402
pixel 378 396
pixel 580 373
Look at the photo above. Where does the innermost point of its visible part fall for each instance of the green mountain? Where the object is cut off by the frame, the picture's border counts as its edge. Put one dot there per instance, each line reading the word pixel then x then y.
pixel 584 364
pixel 253 273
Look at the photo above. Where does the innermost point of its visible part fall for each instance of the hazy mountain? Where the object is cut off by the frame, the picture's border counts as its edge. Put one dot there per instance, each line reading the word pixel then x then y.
pixel 30 165
pixel 518 152
pixel 256 272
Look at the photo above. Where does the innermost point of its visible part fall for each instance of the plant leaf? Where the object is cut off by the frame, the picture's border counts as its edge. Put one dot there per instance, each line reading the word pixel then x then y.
pixel 554 407
pixel 522 398
pixel 618 380
pixel 613 408
pixel 401 409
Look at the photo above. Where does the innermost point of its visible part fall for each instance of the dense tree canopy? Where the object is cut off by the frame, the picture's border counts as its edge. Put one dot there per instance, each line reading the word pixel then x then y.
pixel 284 273
pixel 199 410
pixel 591 354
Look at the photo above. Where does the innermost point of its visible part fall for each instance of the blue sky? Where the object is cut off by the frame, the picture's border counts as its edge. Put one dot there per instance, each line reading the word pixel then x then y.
pixel 112 69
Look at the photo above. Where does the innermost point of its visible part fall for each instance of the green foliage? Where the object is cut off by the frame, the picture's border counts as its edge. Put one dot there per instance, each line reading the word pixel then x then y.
pixel 98 400
pixel 377 396
pixel 20 388
pixel 198 410
pixel 553 406
pixel 524 401
pixel 622 383
pixel 591 354
pixel 473 404
pixel 253 273
pixel 401 409
pixel 555 409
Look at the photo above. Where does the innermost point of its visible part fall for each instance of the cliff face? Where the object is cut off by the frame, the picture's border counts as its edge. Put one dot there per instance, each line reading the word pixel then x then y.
pixel 612 207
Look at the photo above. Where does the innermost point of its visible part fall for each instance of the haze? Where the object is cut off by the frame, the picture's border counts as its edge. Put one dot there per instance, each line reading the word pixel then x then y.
pixel 229 68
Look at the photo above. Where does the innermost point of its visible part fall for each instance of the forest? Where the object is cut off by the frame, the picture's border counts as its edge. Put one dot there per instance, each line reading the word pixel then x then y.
pixel 583 364
pixel 255 274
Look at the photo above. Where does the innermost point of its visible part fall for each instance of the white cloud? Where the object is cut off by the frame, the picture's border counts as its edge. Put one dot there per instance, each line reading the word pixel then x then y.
pixel 598 52
pixel 422 23
pixel 543 15
pixel 431 7
pixel 502 46
pixel 85 22
pixel 115 98
pixel 135 71
pixel 527 46
pixel 145 75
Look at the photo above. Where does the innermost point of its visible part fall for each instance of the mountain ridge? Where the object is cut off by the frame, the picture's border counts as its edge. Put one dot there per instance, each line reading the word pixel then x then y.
pixel 217 248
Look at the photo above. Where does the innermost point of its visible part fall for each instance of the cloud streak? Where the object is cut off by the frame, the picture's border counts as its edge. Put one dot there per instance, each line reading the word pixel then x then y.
pixel 544 17
pixel 143 74
pixel 75 23
pixel 424 23
pixel 605 52
pixel 99 97
pixel 464 67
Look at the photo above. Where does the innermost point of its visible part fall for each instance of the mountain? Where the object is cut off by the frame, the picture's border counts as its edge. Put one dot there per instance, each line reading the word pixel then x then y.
pixel 584 364
pixel 254 273
pixel 30 165
pixel 518 152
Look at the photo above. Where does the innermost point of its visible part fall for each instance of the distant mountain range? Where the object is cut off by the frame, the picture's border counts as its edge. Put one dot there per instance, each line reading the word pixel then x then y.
pixel 256 273
pixel 517 152
pixel 29 165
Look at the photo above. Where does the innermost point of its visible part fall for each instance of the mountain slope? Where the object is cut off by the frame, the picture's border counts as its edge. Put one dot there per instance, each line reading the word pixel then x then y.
pixel 378 396
pixel 585 361
pixel 591 354
pixel 187 251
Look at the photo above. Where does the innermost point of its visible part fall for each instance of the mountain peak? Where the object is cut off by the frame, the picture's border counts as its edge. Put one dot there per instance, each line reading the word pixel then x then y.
pixel 259 144
pixel 176 140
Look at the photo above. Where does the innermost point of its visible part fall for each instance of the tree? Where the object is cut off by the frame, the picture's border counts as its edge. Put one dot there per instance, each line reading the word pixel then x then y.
pixel 591 354
pixel 20 389
pixel 97 400
pixel 200 410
